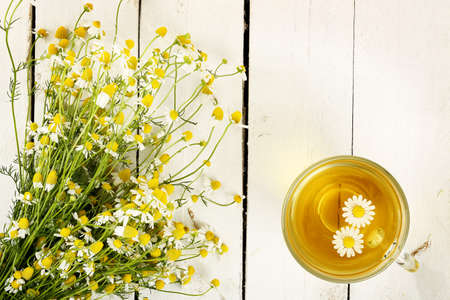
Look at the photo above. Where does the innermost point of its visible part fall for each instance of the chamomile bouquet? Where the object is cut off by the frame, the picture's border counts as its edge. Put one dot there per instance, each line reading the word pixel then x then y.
pixel 88 220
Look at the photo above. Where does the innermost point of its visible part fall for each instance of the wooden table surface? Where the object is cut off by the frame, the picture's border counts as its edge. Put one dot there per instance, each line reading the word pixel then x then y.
pixel 326 77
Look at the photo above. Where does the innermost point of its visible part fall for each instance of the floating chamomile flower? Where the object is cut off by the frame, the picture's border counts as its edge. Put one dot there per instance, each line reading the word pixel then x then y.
pixel 358 211
pixel 347 241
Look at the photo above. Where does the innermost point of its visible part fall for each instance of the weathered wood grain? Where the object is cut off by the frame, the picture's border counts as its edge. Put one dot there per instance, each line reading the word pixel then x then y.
pixel 300 112
pixel 19 42
pixel 402 121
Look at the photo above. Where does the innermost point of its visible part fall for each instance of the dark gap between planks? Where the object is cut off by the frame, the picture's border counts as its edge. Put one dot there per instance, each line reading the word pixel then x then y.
pixel 245 111
pixel 353 95
pixel 136 294
pixel 33 56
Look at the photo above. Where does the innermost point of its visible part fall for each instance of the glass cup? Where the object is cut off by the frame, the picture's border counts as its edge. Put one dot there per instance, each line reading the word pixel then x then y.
pixel 314 223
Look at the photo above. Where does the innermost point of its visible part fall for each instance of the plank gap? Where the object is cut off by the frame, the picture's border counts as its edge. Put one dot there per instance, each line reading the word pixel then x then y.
pixel 136 294
pixel 353 94
pixel 33 57
pixel 353 77
pixel 245 111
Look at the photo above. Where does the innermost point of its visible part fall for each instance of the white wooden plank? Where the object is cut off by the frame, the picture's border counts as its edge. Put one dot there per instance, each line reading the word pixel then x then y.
pixel 300 112
pixel 216 27
pixel 402 91
pixel 19 42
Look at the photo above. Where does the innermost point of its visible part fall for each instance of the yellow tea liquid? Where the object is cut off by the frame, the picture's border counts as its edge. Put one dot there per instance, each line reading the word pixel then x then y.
pixel 314 213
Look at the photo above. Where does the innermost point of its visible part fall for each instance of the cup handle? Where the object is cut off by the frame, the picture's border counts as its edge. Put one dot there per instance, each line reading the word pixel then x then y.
pixel 408 261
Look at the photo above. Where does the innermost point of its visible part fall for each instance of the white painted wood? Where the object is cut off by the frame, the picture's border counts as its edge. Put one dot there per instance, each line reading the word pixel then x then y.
pixel 402 110
pixel 300 112
pixel 216 27
pixel 19 37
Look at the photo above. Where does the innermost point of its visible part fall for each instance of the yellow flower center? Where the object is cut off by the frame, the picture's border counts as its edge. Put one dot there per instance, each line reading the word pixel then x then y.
pixel 61 33
pixel 161 31
pixel 138 138
pixel 173 254
pixel 209 235
pixel 45 140
pixel 155 84
pixel 215 184
pixel 155 252
pixel 84 220
pixel 159 284
pixel 204 252
pixel 17 275
pixel 88 146
pixel 29 145
pixel 173 115
pixel 96 247
pixel 28 196
pixel 37 178
pixel 236 116
pixel 164 158
pixel 47 262
pixel 110 288
pixel 13 234
pixel 358 211
pixel 23 223
pixel 117 243
pixel 87 74
pixel 52 177
pixel 27 273
pixel 130 232
pixel 110 89
pixel 144 239
pixel 65 232
pixel 78 243
pixel 187 135
pixel 348 242
pixel 81 32
pixel 217 113
pixel 15 284
pixel 147 100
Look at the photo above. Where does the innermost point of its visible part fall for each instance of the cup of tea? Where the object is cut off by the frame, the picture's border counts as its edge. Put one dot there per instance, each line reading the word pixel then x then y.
pixel 346 219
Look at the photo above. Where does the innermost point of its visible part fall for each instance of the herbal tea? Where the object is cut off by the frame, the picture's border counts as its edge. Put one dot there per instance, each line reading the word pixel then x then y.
pixel 344 219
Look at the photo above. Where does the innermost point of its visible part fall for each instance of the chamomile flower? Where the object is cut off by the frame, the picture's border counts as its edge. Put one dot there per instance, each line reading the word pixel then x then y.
pixel 358 211
pixel 128 137
pixel 116 245
pixel 37 180
pixel 106 95
pixel 122 176
pixel 14 285
pixel 89 268
pixel 111 148
pixel 32 129
pixel 73 188
pixel 29 148
pixel 86 148
pixel 51 180
pixel 104 217
pixel 65 233
pixel 347 241
pixel 127 231
pixel 26 198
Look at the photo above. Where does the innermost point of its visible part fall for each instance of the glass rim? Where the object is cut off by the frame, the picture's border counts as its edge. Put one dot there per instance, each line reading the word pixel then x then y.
pixel 394 252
